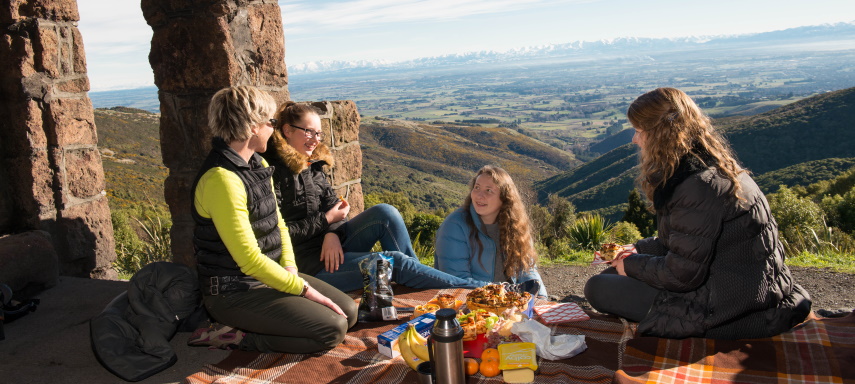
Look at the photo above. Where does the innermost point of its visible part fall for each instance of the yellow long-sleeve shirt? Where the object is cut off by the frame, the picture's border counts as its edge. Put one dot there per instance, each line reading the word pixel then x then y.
pixel 221 196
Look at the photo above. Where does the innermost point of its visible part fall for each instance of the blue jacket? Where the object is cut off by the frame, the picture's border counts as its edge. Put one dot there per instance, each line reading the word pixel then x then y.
pixel 456 256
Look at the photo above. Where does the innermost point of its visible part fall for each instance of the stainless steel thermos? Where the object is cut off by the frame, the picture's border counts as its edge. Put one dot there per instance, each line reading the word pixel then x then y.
pixel 445 346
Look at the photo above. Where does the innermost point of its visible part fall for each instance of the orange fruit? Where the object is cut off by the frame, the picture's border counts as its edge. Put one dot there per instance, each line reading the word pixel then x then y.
pixel 490 368
pixel 490 354
pixel 471 365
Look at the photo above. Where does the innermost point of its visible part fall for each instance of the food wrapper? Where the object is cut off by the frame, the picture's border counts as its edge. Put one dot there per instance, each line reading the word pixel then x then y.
pixel 517 355
pixel 548 346
pixel 629 249
pixel 377 295
pixel 560 313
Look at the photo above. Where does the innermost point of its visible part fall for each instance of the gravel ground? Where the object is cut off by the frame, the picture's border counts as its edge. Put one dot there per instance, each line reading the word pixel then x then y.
pixel 829 290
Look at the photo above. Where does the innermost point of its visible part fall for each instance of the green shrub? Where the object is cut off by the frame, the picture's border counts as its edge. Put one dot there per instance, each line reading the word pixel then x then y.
pixel 840 210
pixel 423 227
pixel 588 232
pixel 424 250
pixel 140 242
pixel 399 200
pixel 625 233
pixel 637 213
pixel 540 219
pixel 798 218
pixel 563 212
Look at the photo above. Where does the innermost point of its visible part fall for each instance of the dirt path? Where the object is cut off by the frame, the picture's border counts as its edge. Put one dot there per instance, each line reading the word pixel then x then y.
pixel 829 290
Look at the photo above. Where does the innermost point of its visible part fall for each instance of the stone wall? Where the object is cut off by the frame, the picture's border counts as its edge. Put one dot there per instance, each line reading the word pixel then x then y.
pixel 51 178
pixel 199 48
pixel 340 122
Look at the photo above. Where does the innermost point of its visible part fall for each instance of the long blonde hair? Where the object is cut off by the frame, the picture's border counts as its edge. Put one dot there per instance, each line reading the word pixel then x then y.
pixel 514 226
pixel 674 127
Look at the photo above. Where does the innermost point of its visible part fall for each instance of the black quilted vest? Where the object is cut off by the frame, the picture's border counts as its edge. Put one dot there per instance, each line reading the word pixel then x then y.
pixel 211 254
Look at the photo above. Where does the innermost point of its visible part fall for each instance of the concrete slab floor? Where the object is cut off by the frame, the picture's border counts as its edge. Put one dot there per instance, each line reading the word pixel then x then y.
pixel 52 344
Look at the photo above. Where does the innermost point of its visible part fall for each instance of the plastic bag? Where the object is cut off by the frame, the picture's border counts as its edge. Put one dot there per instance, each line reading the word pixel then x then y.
pixel 549 347
pixel 376 303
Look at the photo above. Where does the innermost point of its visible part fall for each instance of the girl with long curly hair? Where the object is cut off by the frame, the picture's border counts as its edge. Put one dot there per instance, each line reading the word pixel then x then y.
pixel 716 268
pixel 489 236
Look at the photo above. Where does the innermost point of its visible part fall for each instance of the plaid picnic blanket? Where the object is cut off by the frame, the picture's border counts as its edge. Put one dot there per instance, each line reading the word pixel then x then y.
pixel 817 351
pixel 357 360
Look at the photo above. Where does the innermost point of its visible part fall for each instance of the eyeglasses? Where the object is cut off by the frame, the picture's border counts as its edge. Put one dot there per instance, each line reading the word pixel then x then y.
pixel 273 122
pixel 310 133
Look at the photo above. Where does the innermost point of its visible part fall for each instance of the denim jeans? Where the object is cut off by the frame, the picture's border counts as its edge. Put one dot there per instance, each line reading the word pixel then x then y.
pixel 384 223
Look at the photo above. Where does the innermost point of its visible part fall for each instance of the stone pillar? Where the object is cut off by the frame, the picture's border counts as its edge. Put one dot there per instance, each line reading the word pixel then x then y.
pixel 340 122
pixel 51 173
pixel 198 48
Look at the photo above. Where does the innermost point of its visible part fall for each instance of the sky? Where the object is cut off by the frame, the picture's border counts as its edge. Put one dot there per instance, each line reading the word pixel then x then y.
pixel 117 39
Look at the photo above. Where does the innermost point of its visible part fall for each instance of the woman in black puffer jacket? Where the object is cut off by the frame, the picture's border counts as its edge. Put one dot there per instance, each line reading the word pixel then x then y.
pixel 717 267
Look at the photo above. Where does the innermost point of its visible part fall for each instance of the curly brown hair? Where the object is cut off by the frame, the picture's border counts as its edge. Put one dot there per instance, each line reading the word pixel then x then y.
pixel 675 127
pixel 515 238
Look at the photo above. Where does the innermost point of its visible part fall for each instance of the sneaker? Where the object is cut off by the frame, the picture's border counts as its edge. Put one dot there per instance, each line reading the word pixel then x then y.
pixel 839 312
pixel 217 336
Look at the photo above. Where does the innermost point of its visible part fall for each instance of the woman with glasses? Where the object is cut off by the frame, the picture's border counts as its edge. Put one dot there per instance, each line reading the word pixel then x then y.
pixel 489 236
pixel 326 244
pixel 250 283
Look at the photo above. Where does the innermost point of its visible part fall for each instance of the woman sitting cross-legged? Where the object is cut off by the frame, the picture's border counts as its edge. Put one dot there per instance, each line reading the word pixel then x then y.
pixel 716 269
pixel 489 237
pixel 326 244
pixel 250 284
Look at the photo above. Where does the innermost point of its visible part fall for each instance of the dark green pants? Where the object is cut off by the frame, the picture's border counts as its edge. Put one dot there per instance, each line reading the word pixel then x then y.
pixel 275 321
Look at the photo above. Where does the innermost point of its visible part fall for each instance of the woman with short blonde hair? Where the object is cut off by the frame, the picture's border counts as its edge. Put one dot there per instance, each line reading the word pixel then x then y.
pixel 250 283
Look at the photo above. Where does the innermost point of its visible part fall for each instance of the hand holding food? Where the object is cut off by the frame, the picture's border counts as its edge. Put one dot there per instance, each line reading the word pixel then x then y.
pixel 609 251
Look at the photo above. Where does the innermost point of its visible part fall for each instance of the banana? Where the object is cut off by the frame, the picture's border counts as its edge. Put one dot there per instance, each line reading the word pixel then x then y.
pixel 406 352
pixel 418 344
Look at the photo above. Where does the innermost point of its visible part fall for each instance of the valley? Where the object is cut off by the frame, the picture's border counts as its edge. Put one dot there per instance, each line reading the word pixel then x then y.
pixel 551 115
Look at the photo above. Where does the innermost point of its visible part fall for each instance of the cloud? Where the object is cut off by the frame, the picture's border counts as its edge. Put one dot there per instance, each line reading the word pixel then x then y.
pixel 298 16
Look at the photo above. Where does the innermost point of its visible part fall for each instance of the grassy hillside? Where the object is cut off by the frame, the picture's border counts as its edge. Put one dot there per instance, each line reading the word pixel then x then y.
pixel 815 128
pixel 797 144
pixel 129 141
pixel 431 163
pixel 804 174
pixel 800 135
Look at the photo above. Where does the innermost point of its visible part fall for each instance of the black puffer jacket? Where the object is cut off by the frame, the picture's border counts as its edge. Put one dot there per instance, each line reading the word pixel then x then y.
pixel 718 261
pixel 131 336
pixel 304 196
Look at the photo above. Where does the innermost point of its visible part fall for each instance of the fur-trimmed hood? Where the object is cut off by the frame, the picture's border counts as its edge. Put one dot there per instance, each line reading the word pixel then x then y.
pixel 297 161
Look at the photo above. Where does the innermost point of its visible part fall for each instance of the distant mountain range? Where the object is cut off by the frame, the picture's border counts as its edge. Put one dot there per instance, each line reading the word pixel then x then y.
pixel 594 50
pixel 834 36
